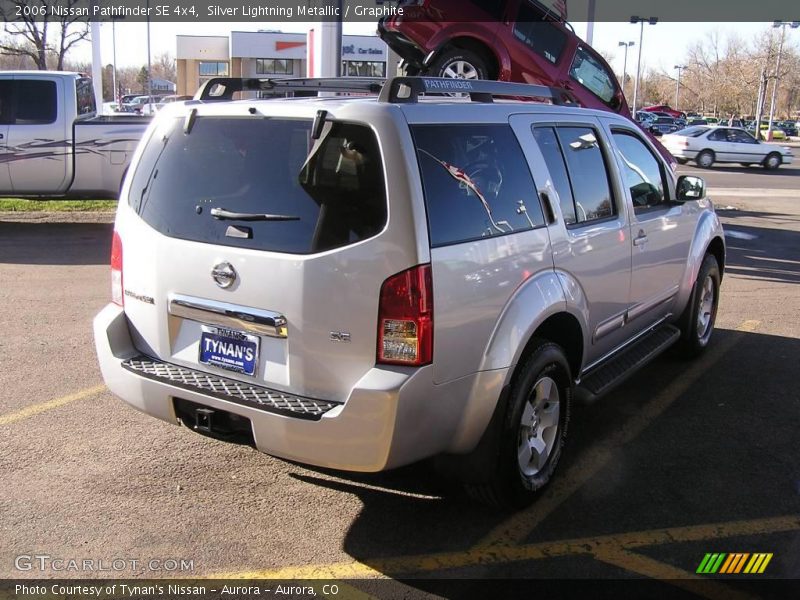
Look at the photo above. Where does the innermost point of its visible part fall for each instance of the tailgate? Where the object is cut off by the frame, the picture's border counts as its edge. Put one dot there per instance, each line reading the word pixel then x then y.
pixel 252 253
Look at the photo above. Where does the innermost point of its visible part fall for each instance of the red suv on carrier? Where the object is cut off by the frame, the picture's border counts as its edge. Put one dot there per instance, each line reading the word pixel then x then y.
pixel 510 40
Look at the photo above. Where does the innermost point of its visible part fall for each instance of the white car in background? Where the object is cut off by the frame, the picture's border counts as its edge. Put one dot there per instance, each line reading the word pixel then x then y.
pixel 706 145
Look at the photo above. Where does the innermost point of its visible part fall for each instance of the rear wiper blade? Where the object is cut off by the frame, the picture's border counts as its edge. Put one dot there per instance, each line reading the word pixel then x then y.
pixel 227 215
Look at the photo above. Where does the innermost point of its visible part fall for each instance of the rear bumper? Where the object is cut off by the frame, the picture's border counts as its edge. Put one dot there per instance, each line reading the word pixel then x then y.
pixel 392 417
pixel 683 153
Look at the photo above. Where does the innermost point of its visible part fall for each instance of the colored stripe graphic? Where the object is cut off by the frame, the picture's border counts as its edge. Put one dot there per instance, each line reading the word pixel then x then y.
pixel 711 563
pixel 758 563
pixel 734 563
pixel 727 564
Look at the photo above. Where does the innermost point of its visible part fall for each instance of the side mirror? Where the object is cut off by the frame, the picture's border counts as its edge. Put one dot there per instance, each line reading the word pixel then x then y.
pixel 690 188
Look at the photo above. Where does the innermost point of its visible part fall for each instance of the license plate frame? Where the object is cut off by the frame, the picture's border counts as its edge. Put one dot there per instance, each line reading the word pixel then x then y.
pixel 225 353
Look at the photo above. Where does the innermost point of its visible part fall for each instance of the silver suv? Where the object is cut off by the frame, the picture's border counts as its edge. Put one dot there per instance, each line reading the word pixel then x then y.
pixel 363 282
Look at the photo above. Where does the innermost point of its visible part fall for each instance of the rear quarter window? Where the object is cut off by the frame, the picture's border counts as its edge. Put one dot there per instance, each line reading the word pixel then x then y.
pixel 320 196
pixel 476 182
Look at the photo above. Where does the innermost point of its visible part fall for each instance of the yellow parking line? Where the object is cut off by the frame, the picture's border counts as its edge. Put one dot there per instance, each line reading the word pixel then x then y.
pixel 35 409
pixel 597 545
pixel 648 567
pixel 519 526
pixel 749 326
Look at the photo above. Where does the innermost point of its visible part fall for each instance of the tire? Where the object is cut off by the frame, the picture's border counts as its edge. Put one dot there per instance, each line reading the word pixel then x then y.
pixel 682 161
pixel 536 417
pixel 772 162
pixel 457 63
pixel 697 321
pixel 705 159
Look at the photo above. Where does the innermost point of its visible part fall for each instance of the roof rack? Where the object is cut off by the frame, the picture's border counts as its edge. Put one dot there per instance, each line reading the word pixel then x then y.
pixel 223 88
pixel 398 90
pixel 408 89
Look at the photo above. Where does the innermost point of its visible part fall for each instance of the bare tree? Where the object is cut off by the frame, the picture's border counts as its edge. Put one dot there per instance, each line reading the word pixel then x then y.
pixel 40 35
pixel 164 67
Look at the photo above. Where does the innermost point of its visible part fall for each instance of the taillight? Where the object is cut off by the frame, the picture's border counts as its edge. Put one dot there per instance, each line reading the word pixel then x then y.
pixel 116 270
pixel 405 318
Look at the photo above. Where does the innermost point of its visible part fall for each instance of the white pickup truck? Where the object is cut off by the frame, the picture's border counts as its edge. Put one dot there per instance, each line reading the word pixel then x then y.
pixel 52 143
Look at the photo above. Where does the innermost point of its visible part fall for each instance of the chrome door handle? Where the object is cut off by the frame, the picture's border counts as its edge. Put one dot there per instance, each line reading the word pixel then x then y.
pixel 641 240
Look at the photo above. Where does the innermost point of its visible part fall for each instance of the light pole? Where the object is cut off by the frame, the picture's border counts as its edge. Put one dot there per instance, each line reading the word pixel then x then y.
pixel 115 94
pixel 782 25
pixel 641 21
pixel 626 45
pixel 678 84
pixel 149 65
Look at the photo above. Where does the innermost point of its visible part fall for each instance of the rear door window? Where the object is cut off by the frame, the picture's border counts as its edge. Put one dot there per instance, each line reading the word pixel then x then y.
pixel 578 172
pixel 29 102
pixel 6 101
pixel 476 181
pixel 554 158
pixel 718 135
pixel 254 166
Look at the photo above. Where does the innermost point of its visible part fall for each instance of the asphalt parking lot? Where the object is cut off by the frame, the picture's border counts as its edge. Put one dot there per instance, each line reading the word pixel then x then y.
pixel 685 459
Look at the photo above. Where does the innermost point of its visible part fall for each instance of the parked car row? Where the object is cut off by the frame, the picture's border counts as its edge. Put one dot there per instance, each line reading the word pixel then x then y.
pixel 147 105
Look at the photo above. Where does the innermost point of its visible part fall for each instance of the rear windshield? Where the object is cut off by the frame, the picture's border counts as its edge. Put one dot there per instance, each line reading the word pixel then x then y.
pixel 216 183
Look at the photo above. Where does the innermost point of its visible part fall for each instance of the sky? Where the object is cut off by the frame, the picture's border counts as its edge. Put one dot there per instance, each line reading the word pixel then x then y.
pixel 664 44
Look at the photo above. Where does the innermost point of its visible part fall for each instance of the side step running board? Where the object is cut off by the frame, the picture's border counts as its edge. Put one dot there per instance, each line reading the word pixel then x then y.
pixel 612 373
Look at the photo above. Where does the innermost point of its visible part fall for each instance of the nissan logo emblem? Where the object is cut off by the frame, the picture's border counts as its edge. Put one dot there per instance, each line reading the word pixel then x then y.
pixel 223 274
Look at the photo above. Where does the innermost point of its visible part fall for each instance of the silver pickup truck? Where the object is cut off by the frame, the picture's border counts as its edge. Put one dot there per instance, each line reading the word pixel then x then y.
pixel 52 143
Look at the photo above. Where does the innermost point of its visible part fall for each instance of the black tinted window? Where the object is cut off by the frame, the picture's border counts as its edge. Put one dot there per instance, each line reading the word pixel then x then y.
pixel 587 173
pixel 36 102
pixel 261 166
pixel 551 149
pixel 543 37
pixel 476 182
pixel 643 174
pixel 6 101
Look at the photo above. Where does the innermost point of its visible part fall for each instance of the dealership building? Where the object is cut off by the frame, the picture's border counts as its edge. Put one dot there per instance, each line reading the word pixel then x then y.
pixel 269 54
